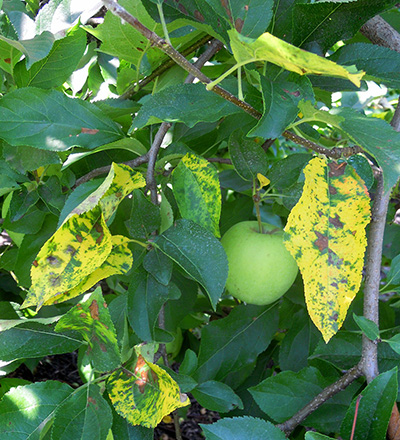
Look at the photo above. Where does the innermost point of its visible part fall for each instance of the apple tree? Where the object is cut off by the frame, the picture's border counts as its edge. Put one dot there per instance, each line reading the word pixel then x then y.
pixel 133 136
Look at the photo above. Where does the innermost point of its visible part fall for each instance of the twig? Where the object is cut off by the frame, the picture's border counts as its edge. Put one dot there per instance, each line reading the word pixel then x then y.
pixel 347 379
pixel 380 32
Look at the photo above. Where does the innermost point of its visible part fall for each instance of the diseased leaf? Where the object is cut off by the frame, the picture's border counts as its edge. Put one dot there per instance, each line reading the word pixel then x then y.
pixel 145 395
pixel 75 250
pixel 92 320
pixel 197 191
pixel 187 103
pixel 119 261
pixel 24 410
pixel 31 116
pixel 84 415
pixel 199 254
pixel 272 49
pixel 329 242
pixel 375 408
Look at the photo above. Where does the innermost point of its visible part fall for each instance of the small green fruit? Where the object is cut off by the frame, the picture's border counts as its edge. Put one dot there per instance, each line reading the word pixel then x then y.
pixel 261 269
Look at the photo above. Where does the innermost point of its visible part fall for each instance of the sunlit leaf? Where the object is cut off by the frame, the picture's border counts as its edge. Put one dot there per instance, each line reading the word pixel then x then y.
pixel 146 394
pixel 272 49
pixel 92 320
pixel 329 242
pixel 76 249
pixel 119 261
pixel 197 192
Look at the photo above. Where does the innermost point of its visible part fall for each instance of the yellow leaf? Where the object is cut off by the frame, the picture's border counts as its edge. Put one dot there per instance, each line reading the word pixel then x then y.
pixel 145 395
pixel 325 233
pixel 119 261
pixel 270 48
pixel 264 181
pixel 74 251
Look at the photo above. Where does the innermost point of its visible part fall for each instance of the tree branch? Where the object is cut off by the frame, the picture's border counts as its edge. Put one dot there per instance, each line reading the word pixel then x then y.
pixel 381 33
pixel 347 379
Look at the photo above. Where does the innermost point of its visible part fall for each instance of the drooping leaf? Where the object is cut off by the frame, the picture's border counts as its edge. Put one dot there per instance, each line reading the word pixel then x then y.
pixel 270 48
pixel 280 99
pixel 217 396
pixel 92 320
pixel 199 254
pixel 56 68
pixel 197 191
pixel 248 158
pixel 34 340
pixel 369 328
pixel 225 346
pixel 146 296
pixel 30 116
pixel 238 428
pixel 145 395
pixel 119 261
pixel 329 242
pixel 75 250
pixel 85 414
pixel 375 408
pixel 24 409
pixel 187 103
pixel 322 24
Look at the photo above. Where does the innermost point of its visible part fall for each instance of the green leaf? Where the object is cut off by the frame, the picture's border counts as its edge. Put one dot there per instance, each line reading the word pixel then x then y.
pixel 158 265
pixel 34 340
pixel 272 49
pixel 247 156
pixel 394 343
pixel 34 49
pixel 363 169
pixel 322 24
pixel 146 296
pixel 369 328
pixel 23 158
pixel 229 344
pixel 329 243
pixel 375 408
pixel 25 410
pixel 30 116
pixel 57 67
pixel 84 415
pixel 145 395
pixel 7 383
pixel 286 172
pixel 145 217
pixel 393 276
pixel 239 428
pixel 197 192
pixel 280 100
pixel 199 254
pixel 123 430
pixel 380 63
pixel 74 251
pixel 217 396
pixel 92 320
pixel 187 103
pixel 316 436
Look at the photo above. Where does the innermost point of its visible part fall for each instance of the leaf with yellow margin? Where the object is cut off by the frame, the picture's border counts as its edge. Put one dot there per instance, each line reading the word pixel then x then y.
pixel 325 233
pixel 197 192
pixel 93 321
pixel 270 48
pixel 145 395
pixel 119 261
pixel 120 181
pixel 73 252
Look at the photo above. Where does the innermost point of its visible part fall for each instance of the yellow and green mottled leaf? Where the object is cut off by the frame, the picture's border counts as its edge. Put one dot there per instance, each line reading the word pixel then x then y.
pixel 197 192
pixel 93 321
pixel 120 181
pixel 325 233
pixel 119 261
pixel 74 251
pixel 146 394
pixel 270 48
pixel 124 182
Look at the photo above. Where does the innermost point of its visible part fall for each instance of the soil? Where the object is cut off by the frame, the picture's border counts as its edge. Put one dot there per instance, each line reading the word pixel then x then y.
pixel 64 369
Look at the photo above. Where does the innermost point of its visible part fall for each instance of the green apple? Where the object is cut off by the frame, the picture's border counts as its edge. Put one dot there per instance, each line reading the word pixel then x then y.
pixel 261 270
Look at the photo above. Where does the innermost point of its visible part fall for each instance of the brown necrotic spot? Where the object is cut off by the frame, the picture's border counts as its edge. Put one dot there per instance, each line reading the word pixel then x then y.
pixel 70 250
pixel 336 222
pixel 322 241
pixel 35 263
pixel 239 24
pixel 79 238
pixel 198 15
pixel 296 93
pixel 182 9
pixel 53 261
pixel 332 190
pixel 336 169
pixel 225 5
pixel 94 310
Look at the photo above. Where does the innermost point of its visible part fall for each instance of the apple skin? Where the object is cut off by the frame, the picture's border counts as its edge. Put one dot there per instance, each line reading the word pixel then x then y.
pixel 261 269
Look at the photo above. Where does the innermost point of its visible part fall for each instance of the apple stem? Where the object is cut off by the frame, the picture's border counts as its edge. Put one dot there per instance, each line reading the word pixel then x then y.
pixel 256 200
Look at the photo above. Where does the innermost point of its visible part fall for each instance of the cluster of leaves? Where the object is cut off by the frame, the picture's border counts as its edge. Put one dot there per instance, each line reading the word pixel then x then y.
pixel 95 265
